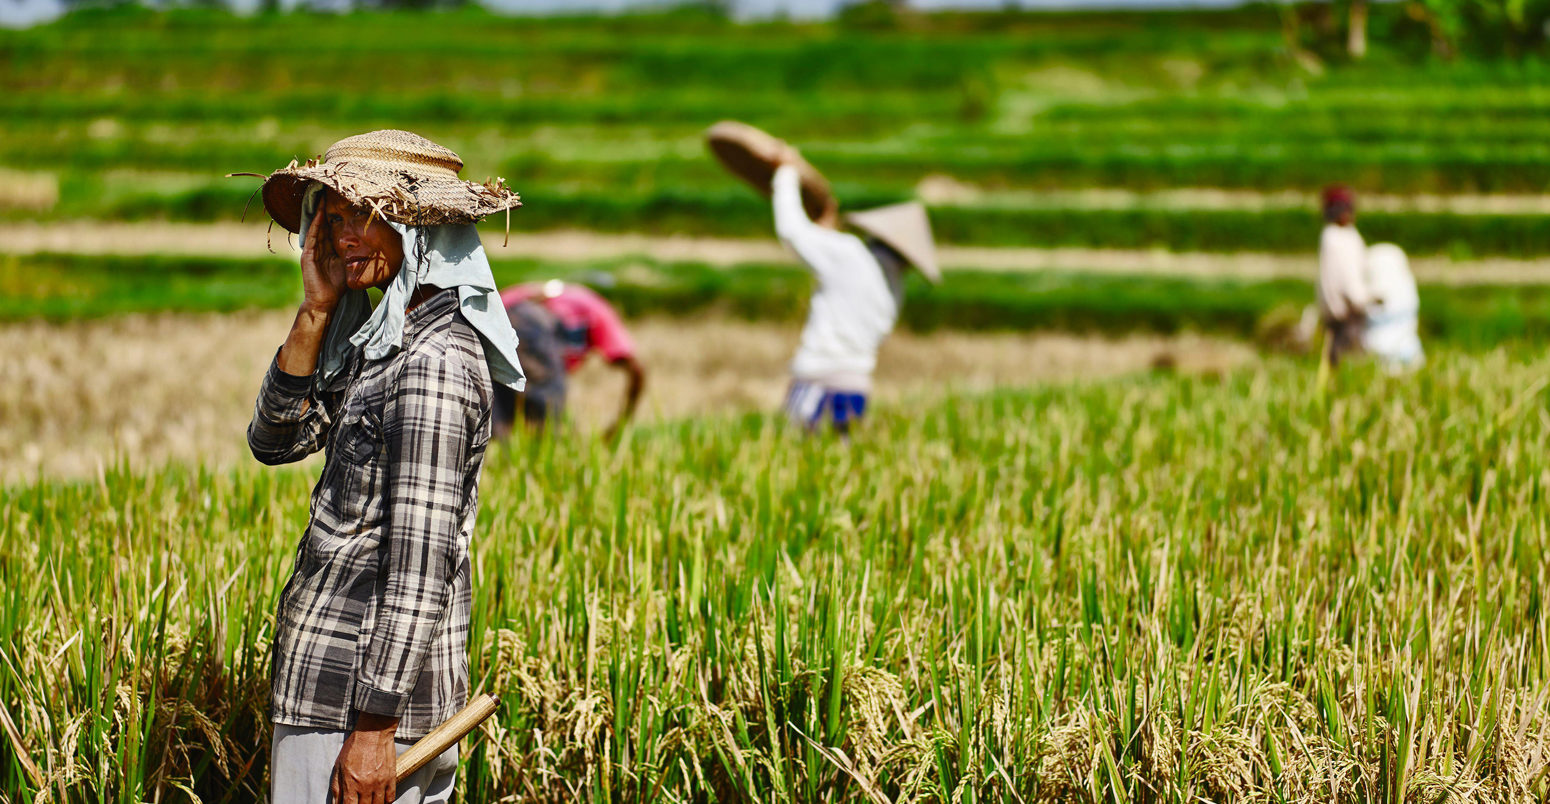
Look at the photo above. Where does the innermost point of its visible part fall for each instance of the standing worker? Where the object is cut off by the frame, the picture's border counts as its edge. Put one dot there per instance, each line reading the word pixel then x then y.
pixel 370 645
pixel 585 324
pixel 860 289
pixel 1343 293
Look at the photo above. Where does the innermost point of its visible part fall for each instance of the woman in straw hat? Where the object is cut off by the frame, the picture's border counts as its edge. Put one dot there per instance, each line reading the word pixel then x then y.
pixel 370 641
pixel 860 289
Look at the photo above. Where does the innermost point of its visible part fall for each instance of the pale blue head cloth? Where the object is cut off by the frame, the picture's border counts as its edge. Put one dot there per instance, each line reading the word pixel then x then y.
pixel 445 256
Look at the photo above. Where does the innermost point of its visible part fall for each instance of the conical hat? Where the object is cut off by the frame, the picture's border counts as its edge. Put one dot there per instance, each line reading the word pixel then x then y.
pixel 906 229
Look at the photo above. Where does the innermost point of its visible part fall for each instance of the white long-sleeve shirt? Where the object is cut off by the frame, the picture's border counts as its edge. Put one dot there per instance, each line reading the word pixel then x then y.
pixel 1342 288
pixel 852 310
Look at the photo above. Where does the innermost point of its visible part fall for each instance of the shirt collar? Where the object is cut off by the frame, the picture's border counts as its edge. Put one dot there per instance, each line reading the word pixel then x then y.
pixel 432 309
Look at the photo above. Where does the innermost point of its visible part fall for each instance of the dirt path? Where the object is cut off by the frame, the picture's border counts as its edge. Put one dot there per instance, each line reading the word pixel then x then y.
pixel 945 190
pixel 180 388
pixel 251 240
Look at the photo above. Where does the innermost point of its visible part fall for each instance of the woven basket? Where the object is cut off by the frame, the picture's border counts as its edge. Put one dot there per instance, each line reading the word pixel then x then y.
pixel 752 155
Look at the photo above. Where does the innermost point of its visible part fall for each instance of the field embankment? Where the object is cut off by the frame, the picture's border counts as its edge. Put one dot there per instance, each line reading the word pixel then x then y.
pixel 1156 299
pixel 259 241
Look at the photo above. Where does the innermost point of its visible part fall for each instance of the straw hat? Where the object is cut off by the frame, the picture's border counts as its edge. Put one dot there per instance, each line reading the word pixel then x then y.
pixel 905 229
pixel 398 174
pixel 752 155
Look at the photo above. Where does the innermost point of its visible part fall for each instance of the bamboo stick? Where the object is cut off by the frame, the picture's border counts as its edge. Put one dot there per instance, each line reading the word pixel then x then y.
pixel 445 736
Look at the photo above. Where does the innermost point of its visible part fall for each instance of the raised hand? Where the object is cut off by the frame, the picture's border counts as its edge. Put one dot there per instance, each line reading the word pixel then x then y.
pixel 322 272
pixel 787 154
pixel 322 283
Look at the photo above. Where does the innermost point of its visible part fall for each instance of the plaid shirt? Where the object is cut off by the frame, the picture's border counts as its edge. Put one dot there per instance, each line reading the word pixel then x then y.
pixel 375 616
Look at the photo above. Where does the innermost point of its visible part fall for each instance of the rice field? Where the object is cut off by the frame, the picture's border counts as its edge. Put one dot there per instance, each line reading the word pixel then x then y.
pixel 1164 588
pixel 1092 544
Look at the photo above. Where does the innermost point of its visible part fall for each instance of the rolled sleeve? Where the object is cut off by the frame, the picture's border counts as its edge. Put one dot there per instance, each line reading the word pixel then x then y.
pixel 371 700
pixel 429 427
pixel 288 424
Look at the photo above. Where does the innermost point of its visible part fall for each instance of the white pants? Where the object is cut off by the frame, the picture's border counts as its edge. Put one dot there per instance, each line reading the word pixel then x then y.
pixel 301 763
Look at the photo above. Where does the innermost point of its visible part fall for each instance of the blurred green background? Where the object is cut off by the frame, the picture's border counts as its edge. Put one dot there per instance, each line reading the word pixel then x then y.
pixel 1188 131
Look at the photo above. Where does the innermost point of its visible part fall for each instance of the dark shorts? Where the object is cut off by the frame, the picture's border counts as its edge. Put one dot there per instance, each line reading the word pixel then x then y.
pixel 541 352
pixel 1343 336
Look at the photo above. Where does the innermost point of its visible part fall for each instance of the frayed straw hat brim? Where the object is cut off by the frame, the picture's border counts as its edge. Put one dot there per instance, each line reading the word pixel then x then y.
pixel 399 175
pixel 432 201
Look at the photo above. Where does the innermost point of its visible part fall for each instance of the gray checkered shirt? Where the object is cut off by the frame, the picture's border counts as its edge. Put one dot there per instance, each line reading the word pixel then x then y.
pixel 375 616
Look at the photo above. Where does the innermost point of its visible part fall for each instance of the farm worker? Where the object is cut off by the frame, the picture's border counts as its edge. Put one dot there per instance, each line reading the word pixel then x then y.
pixel 1343 294
pixel 856 303
pixel 370 643
pixel 1393 318
pixel 586 324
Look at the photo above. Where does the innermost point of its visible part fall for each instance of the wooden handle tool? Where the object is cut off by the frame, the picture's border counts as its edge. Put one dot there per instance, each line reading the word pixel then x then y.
pixel 445 736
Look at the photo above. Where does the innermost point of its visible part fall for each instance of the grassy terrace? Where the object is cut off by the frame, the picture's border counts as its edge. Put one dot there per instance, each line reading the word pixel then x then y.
pixel 709 206
pixel 596 122
pixel 62 287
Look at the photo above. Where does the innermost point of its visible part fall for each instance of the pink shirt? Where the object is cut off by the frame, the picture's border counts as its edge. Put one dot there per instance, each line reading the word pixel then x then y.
pixel 587 323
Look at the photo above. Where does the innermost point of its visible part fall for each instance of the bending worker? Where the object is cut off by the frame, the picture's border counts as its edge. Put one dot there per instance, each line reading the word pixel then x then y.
pixel 584 323
pixel 860 289
pixel 371 639
pixel 543 364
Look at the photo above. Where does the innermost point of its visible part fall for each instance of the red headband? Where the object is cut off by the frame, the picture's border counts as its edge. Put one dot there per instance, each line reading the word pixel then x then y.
pixel 1339 194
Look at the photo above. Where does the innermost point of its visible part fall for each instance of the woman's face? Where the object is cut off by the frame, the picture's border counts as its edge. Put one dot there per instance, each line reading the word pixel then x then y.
pixel 372 254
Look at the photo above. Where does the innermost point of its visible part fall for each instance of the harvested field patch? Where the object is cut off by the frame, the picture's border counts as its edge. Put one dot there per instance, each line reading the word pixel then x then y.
pixel 27 190
pixel 155 388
